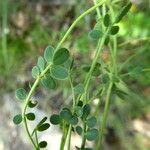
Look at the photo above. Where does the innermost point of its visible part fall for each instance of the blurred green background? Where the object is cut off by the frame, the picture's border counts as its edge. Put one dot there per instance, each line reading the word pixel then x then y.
pixel 28 26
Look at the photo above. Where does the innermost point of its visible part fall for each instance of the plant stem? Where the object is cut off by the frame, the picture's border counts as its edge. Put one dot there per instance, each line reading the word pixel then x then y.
pixel 104 118
pixel 83 137
pixel 48 67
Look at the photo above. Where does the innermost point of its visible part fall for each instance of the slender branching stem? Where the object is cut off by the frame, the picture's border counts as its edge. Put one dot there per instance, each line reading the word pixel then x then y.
pixel 48 67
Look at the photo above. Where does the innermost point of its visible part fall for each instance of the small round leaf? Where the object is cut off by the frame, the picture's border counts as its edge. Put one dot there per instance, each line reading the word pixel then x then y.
pixel 91 134
pixel 21 94
pixel 48 54
pixel 114 30
pixel 60 56
pixel 30 116
pixel 59 72
pixel 17 119
pixel 55 119
pixel 73 120
pixel 66 115
pixel 42 144
pixel 95 34
pixel 48 82
pixel 91 122
pixel 79 130
pixel 35 72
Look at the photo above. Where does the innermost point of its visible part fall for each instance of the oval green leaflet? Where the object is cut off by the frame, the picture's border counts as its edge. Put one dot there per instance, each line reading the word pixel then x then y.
pixel 48 82
pixel 42 144
pixel 17 119
pixel 61 56
pixel 106 20
pixel 30 116
pixel 55 119
pixel 48 54
pixel 114 30
pixel 41 63
pixel 59 72
pixel 21 94
pixel 91 134
pixel 123 12
pixel 95 34
pixel 35 72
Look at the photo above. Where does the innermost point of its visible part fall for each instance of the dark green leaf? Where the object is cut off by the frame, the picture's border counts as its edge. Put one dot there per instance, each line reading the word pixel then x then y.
pixel 60 56
pixel 91 134
pixel 32 104
pixel 123 12
pixel 79 89
pixel 95 34
pixel 66 115
pixel 114 30
pixel 17 119
pixel 42 121
pixel 48 54
pixel 55 119
pixel 80 103
pixel 35 72
pixel 42 144
pixel 79 130
pixel 73 120
pixel 106 20
pixel 30 116
pixel 107 40
pixel 21 94
pixel 48 82
pixel 59 72
pixel 91 122
pixel 78 111
pixel 41 63
pixel 86 111
pixel 43 127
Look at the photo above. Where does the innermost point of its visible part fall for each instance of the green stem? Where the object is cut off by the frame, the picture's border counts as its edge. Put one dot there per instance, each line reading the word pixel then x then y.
pixel 83 137
pixel 4 34
pixel 36 138
pixel 48 67
pixel 104 118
